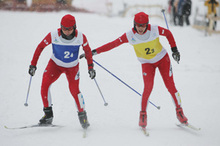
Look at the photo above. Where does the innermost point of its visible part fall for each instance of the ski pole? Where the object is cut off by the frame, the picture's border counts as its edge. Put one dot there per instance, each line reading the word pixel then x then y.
pixel 158 107
pixel 165 17
pixel 100 92
pixel 26 104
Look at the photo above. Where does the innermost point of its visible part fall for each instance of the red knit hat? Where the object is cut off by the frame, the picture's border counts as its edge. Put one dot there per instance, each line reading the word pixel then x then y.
pixel 68 21
pixel 141 18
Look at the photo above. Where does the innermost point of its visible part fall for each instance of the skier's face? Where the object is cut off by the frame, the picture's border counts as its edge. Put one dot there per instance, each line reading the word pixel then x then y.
pixel 141 29
pixel 67 32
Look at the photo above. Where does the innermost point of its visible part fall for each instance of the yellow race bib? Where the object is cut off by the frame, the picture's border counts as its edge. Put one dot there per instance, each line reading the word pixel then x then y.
pixel 148 50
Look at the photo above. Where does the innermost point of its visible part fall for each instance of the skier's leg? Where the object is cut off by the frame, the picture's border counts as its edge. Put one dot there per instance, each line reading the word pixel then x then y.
pixel 50 75
pixel 72 75
pixel 148 71
pixel 73 79
pixel 166 72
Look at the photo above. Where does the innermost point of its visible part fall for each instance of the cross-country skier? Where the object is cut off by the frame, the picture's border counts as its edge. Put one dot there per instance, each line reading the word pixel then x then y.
pixel 144 37
pixel 66 42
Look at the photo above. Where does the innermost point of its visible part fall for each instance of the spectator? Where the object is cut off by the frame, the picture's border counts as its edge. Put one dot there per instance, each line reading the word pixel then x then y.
pixel 212 4
pixel 174 9
pixel 187 10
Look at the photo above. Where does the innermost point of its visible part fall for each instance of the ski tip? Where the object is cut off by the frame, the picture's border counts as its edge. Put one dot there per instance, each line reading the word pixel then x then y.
pixel 84 132
pixel 147 134
pixel 84 135
pixel 189 126
pixel 195 128
pixel 145 131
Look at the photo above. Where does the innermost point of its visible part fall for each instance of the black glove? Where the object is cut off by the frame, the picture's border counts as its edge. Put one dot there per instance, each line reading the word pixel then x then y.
pixel 32 70
pixel 176 54
pixel 83 55
pixel 92 73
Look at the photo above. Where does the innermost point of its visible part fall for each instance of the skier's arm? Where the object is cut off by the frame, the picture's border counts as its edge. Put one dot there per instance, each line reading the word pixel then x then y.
pixel 170 38
pixel 88 52
pixel 165 32
pixel 45 42
pixel 122 39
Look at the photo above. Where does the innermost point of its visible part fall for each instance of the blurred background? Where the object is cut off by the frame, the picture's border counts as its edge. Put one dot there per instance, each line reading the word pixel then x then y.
pixel 200 14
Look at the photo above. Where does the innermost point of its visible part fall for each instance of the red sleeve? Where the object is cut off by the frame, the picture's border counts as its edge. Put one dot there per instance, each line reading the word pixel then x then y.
pixel 88 52
pixel 45 42
pixel 165 32
pixel 122 39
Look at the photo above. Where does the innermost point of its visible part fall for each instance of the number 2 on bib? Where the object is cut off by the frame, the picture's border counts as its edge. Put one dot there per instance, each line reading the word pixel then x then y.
pixel 67 54
pixel 149 51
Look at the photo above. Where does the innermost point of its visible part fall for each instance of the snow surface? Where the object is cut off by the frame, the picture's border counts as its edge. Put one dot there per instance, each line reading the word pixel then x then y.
pixel 196 77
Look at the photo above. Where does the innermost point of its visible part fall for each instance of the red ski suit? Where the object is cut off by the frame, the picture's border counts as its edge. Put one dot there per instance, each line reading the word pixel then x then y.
pixel 64 60
pixel 152 55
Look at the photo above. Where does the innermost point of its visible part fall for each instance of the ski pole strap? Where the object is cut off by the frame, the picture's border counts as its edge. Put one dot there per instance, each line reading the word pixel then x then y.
pixel 158 107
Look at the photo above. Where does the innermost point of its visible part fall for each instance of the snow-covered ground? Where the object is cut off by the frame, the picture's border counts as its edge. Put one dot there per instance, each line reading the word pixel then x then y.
pixel 196 77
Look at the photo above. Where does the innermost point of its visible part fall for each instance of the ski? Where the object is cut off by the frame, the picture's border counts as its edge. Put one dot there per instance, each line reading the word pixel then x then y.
pixel 144 130
pixel 84 133
pixel 32 126
pixel 188 126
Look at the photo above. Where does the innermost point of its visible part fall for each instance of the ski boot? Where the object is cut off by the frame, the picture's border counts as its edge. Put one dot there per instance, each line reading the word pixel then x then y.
pixel 180 116
pixel 143 119
pixel 83 119
pixel 48 117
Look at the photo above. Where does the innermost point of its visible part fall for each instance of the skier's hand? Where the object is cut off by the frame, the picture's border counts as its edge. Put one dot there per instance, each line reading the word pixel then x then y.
pixel 83 55
pixel 32 70
pixel 92 73
pixel 176 54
